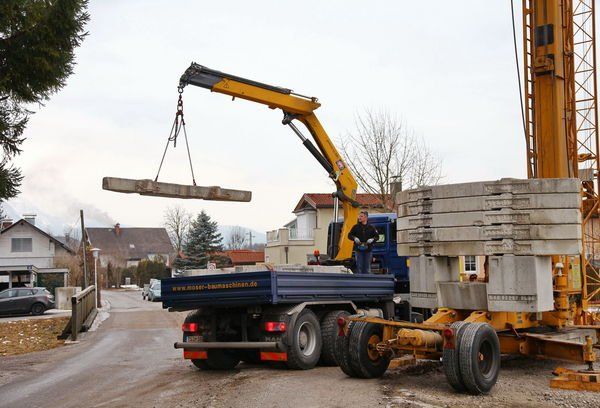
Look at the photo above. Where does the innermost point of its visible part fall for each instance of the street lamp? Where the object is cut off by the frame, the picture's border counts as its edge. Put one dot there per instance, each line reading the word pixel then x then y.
pixel 95 252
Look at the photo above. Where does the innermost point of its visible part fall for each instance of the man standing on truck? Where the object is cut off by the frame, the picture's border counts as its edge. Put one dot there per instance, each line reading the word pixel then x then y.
pixel 363 234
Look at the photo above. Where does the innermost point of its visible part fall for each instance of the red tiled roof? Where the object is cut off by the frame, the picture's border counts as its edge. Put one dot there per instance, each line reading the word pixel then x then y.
pixel 325 200
pixel 244 256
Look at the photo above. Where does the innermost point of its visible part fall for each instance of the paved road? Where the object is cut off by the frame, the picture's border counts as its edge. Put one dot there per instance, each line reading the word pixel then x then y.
pixel 130 361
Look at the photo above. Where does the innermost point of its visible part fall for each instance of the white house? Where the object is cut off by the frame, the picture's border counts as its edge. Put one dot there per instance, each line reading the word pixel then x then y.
pixel 27 252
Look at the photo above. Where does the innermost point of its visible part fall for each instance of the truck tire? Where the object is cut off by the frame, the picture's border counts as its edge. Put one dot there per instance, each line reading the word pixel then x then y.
pixel 365 361
pixel 451 359
pixel 222 359
pixel 329 334
pixel 304 347
pixel 479 356
pixel 201 364
pixel 342 352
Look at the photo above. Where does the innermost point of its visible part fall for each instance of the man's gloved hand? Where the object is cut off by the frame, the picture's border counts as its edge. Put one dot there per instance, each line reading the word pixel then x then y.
pixel 357 241
pixel 370 241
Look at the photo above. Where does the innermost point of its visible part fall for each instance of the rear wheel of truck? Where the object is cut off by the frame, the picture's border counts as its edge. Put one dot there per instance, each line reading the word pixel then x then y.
pixel 342 352
pixel 201 364
pixel 479 356
pixel 365 360
pixel 305 344
pixel 450 358
pixel 222 359
pixel 329 334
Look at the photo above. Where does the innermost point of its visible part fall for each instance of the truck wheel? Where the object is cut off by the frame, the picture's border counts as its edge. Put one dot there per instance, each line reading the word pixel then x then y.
pixel 305 342
pixel 342 352
pixel 329 333
pixel 479 356
pixel 364 358
pixel 450 358
pixel 222 359
pixel 201 364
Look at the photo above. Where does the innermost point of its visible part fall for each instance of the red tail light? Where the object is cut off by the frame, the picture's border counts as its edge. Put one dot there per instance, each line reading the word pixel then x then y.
pixel 275 326
pixel 448 334
pixel 190 327
pixel 341 323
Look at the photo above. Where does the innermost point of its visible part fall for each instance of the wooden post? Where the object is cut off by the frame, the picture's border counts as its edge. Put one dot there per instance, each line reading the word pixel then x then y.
pixel 83 244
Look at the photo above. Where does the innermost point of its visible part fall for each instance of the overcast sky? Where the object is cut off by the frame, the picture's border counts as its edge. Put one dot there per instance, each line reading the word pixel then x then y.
pixel 445 68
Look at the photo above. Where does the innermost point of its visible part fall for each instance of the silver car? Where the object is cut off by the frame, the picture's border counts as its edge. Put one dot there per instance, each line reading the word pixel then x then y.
pixel 154 292
pixel 26 300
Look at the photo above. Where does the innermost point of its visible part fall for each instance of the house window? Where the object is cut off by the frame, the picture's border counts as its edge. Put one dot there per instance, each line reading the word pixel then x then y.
pixel 470 263
pixel 21 245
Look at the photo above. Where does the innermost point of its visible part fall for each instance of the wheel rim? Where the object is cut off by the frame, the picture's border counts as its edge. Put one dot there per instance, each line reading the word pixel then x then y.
pixel 37 308
pixel 485 358
pixel 307 338
pixel 372 347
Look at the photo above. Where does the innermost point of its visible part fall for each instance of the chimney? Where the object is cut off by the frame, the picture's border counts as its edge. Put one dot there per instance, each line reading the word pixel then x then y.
pixel 5 223
pixel 395 188
pixel 117 229
pixel 30 218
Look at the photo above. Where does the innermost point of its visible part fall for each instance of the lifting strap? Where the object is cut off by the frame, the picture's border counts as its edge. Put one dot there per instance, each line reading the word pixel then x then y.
pixel 178 125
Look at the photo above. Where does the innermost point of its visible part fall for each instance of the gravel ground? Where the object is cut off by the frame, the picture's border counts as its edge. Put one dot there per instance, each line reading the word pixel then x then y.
pixel 522 383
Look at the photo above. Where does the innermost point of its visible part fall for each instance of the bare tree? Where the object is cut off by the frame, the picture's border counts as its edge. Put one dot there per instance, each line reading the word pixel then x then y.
pixel 177 223
pixel 237 238
pixel 382 150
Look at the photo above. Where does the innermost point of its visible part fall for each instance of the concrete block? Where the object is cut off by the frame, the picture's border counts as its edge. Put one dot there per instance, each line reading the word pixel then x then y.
pixel 462 295
pixel 158 189
pixel 63 296
pixel 486 188
pixel 424 272
pixel 520 284
pixel 491 232
pixel 497 202
pixel 500 247
pixel 492 217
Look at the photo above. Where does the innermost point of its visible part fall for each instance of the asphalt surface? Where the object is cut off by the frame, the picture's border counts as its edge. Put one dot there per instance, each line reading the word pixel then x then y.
pixel 130 361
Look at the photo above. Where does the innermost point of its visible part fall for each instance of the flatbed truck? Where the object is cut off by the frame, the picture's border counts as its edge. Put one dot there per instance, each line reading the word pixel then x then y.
pixel 271 315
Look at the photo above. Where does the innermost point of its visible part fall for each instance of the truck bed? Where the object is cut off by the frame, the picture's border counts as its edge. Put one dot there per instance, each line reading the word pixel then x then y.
pixel 273 287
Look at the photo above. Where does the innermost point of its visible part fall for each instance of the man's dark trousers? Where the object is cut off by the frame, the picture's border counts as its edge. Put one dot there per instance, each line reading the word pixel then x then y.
pixel 363 261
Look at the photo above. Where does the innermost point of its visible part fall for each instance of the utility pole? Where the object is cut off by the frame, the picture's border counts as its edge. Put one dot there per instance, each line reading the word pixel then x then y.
pixel 83 245
pixel 250 236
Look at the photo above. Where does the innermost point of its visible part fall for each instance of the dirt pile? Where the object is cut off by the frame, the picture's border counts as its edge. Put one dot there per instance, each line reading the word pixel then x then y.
pixel 26 336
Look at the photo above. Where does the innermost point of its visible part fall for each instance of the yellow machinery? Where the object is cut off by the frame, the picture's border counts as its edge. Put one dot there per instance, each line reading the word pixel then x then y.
pixel 295 107
pixel 560 121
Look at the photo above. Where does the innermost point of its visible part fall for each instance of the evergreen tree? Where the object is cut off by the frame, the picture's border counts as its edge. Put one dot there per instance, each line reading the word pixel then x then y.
pixel 37 43
pixel 203 240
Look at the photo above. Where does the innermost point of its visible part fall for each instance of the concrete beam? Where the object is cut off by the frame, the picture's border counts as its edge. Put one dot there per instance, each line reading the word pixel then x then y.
pixel 491 233
pixel 494 217
pixel 487 188
pixel 489 203
pixel 505 246
pixel 158 189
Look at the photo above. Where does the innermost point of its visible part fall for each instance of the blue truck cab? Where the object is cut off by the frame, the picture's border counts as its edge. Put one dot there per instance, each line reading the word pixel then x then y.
pixel 385 251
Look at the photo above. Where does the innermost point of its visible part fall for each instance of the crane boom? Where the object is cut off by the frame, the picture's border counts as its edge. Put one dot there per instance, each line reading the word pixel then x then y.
pixel 295 107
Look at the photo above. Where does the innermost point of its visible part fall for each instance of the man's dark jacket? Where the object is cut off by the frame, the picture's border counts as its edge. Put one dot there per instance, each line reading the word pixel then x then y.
pixel 363 233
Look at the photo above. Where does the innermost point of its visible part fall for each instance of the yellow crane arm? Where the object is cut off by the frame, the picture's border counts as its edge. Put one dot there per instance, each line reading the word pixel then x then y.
pixel 294 107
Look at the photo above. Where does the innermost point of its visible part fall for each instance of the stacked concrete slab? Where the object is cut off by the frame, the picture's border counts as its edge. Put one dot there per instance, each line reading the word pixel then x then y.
pixel 519 224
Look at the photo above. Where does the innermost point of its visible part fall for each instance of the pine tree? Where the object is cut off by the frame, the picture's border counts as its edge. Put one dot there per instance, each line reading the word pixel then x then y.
pixel 37 43
pixel 203 240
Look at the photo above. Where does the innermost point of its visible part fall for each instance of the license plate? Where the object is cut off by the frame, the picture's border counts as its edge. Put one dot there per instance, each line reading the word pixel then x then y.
pixel 193 339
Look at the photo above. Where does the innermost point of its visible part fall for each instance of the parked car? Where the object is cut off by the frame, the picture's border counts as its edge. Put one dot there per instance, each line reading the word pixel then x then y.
pixel 145 291
pixel 154 292
pixel 26 300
